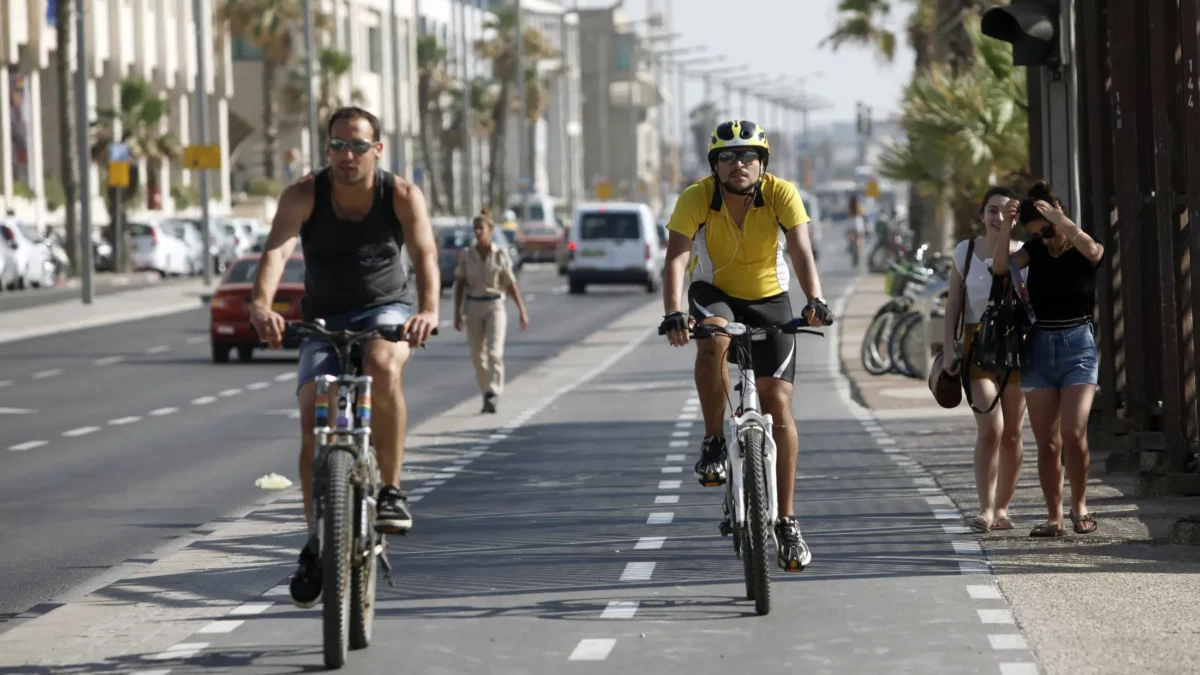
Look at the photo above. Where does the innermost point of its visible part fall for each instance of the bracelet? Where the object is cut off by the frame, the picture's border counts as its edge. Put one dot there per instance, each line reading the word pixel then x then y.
pixel 1072 242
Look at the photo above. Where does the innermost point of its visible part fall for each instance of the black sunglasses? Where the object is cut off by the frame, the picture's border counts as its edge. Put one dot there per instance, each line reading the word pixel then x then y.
pixel 745 156
pixel 358 145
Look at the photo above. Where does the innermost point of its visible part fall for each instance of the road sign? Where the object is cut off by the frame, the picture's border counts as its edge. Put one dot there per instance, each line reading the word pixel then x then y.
pixel 119 152
pixel 873 189
pixel 118 174
pixel 202 157
pixel 604 190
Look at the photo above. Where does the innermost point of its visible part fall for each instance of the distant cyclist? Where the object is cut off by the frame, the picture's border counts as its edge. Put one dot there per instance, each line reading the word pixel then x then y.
pixel 737 225
pixel 352 218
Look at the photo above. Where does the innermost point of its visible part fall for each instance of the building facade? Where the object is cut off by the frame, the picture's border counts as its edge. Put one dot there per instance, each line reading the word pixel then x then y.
pixel 151 39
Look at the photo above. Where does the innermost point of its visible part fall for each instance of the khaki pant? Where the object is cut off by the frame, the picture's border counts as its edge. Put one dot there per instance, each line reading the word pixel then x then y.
pixel 486 325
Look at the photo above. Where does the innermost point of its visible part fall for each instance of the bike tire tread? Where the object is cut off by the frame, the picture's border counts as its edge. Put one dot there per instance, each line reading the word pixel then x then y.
pixel 335 562
pixel 756 492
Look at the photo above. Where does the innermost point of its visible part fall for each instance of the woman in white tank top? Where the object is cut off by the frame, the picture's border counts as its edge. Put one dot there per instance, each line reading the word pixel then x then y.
pixel 999 450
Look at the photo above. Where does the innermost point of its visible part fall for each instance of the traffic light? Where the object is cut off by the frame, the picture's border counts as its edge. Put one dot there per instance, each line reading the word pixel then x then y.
pixel 1032 26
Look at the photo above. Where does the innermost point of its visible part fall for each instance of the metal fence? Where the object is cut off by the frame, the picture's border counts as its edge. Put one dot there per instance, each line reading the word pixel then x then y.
pixel 1140 185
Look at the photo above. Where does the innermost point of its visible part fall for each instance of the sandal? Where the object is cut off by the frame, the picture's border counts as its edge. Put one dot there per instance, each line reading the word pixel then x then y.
pixel 1003 523
pixel 1085 524
pixel 1047 529
pixel 981 524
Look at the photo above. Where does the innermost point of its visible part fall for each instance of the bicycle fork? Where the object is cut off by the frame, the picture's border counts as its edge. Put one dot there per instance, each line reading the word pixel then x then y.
pixel 364 469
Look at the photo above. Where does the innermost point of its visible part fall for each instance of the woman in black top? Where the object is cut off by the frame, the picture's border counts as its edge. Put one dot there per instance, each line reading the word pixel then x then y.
pixel 1060 377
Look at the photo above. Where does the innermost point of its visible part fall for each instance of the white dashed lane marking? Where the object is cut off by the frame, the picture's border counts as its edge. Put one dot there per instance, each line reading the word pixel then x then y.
pixel 669 484
pixel 108 361
pixel 672 469
pixel 221 627
pixel 592 649
pixel 649 543
pixel 251 608
pixel 203 400
pixel 638 571
pixel 27 445
pixel 121 421
pixel 663 518
pixel 992 616
pixel 1007 641
pixel 666 499
pixel 159 349
pixel 255 386
pixel 47 373
pixel 984 592
pixel 81 431
pixel 159 412
pixel 620 609
pixel 676 458
pixel 183 650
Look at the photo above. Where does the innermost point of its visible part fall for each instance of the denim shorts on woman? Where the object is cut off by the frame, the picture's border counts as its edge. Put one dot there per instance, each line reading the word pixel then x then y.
pixel 1058 359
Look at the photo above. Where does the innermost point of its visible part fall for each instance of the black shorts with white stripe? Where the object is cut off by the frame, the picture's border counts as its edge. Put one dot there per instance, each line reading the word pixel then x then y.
pixel 774 355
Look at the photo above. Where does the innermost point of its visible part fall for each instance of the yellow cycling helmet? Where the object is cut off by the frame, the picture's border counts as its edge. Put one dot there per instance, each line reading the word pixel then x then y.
pixel 738 134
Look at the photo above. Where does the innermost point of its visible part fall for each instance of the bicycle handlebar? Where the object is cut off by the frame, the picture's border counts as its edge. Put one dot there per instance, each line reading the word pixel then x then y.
pixel 301 329
pixel 734 329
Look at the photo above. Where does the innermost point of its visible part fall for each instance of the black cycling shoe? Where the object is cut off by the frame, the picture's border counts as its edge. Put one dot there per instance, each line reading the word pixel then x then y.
pixel 305 585
pixel 489 403
pixel 391 512
pixel 794 555
pixel 710 470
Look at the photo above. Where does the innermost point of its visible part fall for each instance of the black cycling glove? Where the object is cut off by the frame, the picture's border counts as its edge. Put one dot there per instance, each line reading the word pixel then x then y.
pixel 822 310
pixel 673 321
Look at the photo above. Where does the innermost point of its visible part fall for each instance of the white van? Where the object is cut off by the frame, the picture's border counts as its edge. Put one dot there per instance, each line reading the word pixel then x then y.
pixel 613 243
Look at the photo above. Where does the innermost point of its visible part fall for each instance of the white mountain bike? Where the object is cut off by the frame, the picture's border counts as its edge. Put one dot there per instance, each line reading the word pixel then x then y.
pixel 751 505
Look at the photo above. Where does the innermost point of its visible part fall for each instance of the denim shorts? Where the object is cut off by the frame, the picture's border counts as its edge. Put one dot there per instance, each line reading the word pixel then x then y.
pixel 1058 359
pixel 318 357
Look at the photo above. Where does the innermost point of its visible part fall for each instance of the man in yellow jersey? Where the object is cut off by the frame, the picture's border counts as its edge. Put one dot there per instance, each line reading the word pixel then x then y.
pixel 737 225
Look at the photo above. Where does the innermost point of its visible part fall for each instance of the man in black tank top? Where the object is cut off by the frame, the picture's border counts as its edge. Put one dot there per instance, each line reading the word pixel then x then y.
pixel 353 218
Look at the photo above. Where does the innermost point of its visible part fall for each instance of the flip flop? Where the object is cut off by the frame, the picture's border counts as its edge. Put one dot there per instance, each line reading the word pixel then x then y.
pixel 981 524
pixel 1003 523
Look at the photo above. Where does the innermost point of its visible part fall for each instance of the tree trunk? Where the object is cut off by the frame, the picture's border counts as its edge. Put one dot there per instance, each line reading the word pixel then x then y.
pixel 425 138
pixel 64 23
pixel 447 171
pixel 497 180
pixel 270 120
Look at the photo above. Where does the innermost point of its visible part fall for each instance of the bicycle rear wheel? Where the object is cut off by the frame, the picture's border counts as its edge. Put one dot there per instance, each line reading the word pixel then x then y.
pixel 365 576
pixel 900 335
pixel 875 357
pixel 335 557
pixel 759 530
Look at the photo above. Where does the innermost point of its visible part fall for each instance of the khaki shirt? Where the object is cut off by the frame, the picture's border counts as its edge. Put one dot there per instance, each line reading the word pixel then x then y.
pixel 490 276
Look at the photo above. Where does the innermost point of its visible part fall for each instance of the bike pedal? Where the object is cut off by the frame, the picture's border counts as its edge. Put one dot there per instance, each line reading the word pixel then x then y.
pixel 792 566
pixel 725 528
pixel 711 482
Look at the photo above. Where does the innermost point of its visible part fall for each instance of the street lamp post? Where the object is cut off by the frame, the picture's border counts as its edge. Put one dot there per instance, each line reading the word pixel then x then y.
pixel 309 58
pixel 202 24
pixel 81 139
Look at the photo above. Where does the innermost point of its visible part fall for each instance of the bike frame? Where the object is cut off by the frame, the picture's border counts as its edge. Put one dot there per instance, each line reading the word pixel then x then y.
pixel 346 434
pixel 747 416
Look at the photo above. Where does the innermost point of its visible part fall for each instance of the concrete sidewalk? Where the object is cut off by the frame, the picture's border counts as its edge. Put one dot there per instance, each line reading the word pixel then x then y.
pixel 132 305
pixel 1121 600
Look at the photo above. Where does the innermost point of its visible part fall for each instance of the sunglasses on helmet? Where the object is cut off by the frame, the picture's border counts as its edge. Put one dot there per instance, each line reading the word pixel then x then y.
pixel 358 145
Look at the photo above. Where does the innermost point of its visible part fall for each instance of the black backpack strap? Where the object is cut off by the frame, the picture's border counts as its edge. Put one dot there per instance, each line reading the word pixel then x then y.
pixel 962 314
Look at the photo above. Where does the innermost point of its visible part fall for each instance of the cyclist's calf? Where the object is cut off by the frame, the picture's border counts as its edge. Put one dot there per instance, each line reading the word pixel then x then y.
pixel 308 417
pixel 384 362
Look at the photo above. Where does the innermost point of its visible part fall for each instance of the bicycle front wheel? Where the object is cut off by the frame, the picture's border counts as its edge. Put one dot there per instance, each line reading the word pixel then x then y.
pixel 759 533
pixel 335 557
pixel 365 575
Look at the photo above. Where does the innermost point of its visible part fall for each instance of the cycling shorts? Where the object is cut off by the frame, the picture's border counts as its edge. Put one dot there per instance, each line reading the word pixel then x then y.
pixel 773 355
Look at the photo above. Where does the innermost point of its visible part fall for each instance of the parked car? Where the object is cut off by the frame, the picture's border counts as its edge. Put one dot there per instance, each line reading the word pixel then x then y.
pixel 613 243
pixel 194 241
pixel 538 242
pixel 153 247
pixel 29 255
pixel 220 244
pixel 243 232
pixel 454 235
pixel 229 320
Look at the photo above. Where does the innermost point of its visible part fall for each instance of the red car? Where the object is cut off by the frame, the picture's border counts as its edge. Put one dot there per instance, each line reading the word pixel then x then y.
pixel 230 306
pixel 538 242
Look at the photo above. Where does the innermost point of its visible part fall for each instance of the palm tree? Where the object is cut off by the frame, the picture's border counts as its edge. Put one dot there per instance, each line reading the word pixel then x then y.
pixel 273 27
pixel 501 50
pixel 967 127
pixel 433 81
pixel 141 114
pixel 64 21
pixel 333 66
pixel 861 23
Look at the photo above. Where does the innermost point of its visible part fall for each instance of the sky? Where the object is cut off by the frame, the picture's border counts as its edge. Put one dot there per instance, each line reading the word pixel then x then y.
pixel 780 37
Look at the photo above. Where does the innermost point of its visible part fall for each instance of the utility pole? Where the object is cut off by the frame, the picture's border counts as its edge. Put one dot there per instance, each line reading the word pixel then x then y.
pixel 524 183
pixel 85 152
pixel 202 41
pixel 401 163
pixel 310 56
pixel 468 170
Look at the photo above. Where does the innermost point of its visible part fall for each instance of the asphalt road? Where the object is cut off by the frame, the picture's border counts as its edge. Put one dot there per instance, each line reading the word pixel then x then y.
pixel 577 541
pixel 127 435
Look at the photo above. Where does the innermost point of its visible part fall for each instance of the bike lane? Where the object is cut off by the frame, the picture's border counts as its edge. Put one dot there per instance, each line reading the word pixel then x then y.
pixel 575 533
